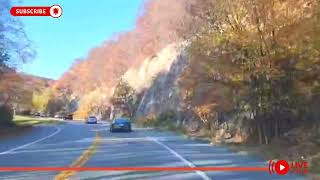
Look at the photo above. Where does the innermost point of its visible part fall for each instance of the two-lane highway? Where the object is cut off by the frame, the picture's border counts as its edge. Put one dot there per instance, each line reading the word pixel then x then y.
pixel 59 147
pixel 62 145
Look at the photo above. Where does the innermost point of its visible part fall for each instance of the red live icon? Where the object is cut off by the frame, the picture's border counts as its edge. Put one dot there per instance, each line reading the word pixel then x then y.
pixel 282 167
pixel 299 167
pixel 54 11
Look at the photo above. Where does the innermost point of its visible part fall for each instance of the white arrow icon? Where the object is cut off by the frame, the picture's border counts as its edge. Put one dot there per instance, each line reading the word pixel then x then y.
pixel 281 167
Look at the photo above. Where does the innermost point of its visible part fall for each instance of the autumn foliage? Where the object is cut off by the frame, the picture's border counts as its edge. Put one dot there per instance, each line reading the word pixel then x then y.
pixel 258 59
pixel 161 22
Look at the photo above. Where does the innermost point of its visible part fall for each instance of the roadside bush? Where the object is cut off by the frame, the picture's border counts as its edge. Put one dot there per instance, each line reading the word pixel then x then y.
pixel 166 118
pixel 149 120
pixel 6 116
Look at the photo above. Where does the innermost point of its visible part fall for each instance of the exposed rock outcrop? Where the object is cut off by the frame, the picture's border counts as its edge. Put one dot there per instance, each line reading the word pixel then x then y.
pixel 158 76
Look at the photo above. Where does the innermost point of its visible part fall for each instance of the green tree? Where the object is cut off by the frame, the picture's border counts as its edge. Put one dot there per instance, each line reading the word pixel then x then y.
pixel 125 97
pixel 40 100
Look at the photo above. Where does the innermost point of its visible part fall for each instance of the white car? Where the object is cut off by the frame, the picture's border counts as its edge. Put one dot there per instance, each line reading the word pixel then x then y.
pixel 92 120
pixel 58 116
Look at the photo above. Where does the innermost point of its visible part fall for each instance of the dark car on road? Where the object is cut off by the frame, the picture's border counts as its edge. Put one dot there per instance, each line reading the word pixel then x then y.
pixel 120 124
pixel 68 117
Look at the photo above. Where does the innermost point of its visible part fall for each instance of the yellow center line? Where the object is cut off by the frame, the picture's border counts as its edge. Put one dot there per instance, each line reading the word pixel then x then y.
pixel 86 155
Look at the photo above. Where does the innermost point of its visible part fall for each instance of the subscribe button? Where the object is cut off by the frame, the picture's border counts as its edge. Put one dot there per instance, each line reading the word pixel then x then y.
pixel 54 11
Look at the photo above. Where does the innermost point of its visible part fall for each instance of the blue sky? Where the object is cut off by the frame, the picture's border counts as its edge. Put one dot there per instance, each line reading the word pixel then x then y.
pixel 83 25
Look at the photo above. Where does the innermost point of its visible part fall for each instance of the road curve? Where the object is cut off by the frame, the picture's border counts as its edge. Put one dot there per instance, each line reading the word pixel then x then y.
pixel 61 145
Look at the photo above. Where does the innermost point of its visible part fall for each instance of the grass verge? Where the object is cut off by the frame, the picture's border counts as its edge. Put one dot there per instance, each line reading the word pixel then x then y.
pixel 27 120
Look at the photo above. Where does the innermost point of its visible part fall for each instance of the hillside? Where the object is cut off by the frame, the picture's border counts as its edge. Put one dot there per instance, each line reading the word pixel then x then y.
pixel 97 74
pixel 36 82
pixel 18 88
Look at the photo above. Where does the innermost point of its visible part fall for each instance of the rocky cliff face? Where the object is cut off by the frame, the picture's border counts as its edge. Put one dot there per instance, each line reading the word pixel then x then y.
pixel 157 76
pixel 161 63
pixel 157 79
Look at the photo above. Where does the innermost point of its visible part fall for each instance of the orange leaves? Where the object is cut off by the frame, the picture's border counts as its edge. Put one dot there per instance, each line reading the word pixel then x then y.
pixel 205 112
pixel 162 23
pixel 10 82
pixel 16 88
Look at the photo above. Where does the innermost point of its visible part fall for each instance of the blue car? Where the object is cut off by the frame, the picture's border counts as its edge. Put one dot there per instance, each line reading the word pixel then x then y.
pixel 121 124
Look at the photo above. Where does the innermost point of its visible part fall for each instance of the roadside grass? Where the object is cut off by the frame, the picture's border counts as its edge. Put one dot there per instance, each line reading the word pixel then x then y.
pixel 28 120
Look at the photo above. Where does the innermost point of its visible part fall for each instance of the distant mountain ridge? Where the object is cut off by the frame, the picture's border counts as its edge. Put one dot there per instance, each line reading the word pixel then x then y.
pixel 27 75
pixel 19 87
pixel 37 79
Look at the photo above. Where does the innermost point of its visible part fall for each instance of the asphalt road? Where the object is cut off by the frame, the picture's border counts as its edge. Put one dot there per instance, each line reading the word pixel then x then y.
pixel 61 145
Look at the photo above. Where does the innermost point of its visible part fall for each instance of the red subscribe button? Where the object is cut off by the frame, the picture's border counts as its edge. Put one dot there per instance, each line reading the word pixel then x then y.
pixel 54 11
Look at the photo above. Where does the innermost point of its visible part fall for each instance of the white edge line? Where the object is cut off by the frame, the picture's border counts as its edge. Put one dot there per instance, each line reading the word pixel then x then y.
pixel 190 164
pixel 31 143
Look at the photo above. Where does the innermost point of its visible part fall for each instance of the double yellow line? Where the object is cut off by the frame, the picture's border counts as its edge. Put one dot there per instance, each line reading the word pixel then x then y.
pixel 86 155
